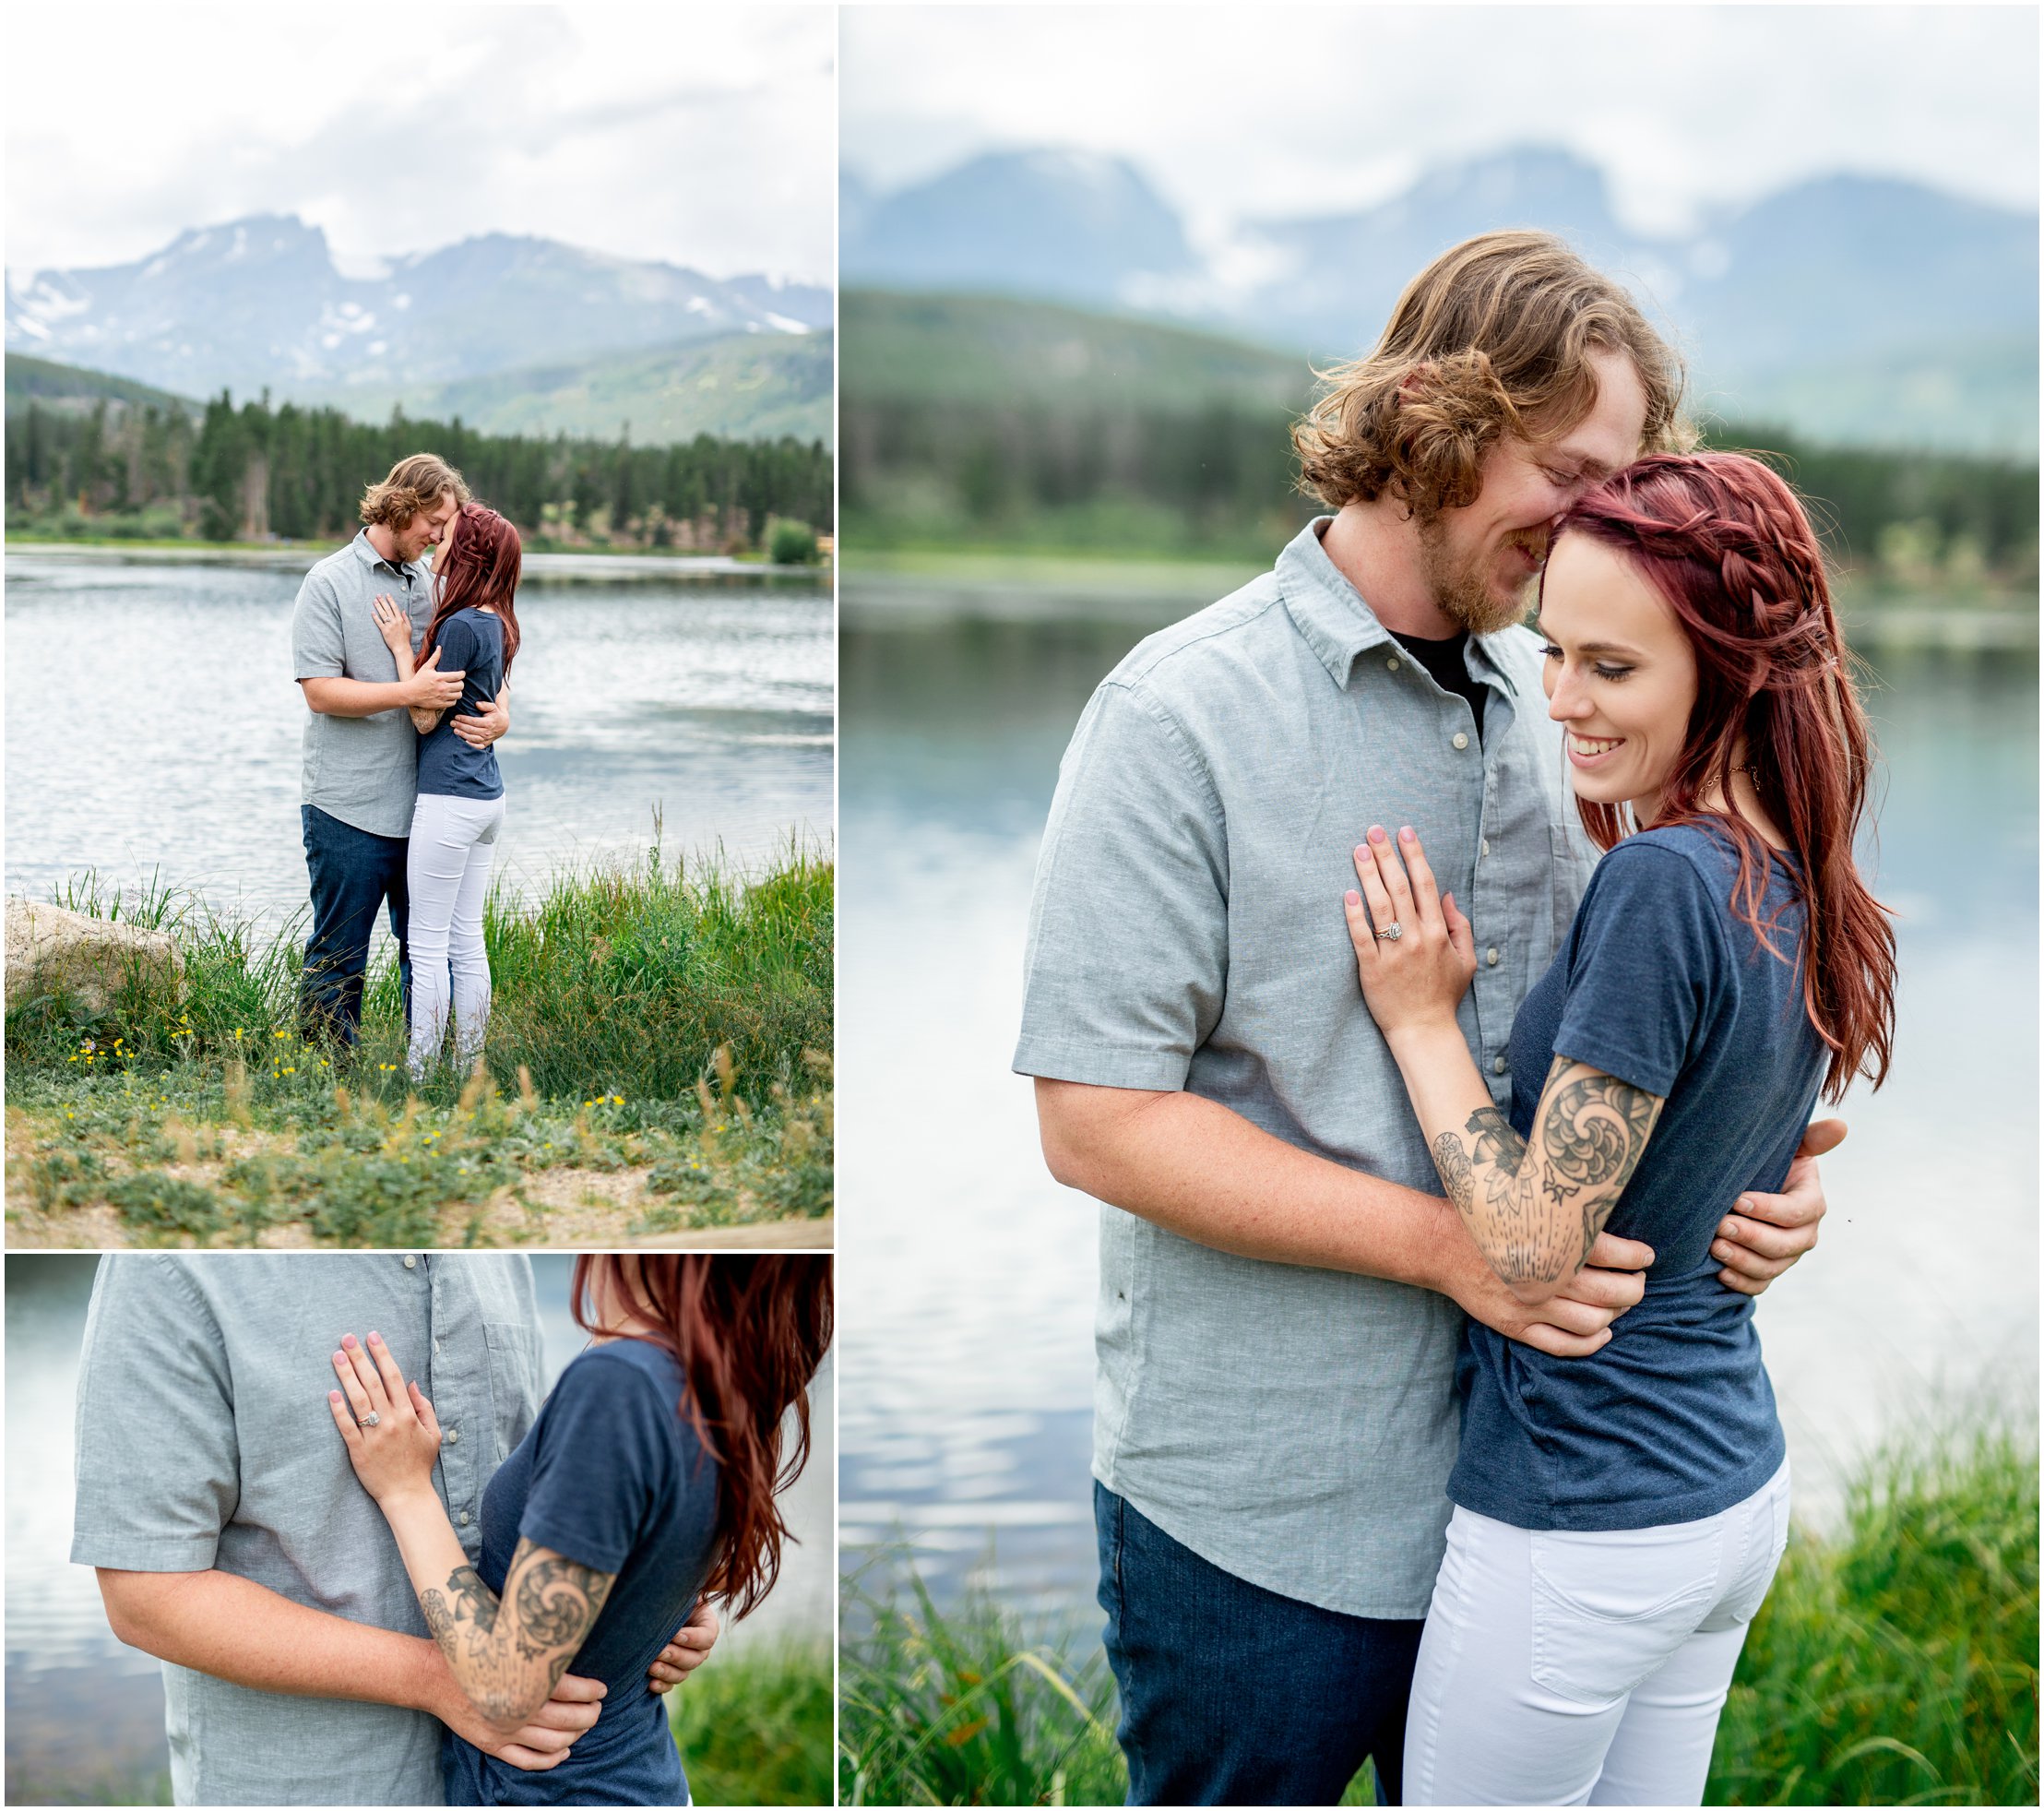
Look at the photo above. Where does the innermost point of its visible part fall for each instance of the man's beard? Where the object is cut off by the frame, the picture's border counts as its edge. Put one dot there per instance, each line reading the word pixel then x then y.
pixel 1461 587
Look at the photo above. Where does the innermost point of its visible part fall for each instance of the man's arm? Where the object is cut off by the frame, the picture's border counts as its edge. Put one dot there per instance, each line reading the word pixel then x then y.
pixel 1202 1171
pixel 238 1630
pixel 428 689
pixel 493 720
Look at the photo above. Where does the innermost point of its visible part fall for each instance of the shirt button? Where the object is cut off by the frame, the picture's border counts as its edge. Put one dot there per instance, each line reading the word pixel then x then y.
pixel 410 1263
pixel 1483 848
pixel 454 1435
pixel 1390 666
pixel 464 1518
pixel 1491 955
pixel 1499 1066
pixel 1461 741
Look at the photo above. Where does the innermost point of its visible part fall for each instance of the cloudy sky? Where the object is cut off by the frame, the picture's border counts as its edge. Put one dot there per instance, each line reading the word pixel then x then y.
pixel 1238 112
pixel 703 135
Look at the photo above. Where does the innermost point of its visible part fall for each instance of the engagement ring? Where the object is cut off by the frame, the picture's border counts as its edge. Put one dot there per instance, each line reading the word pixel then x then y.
pixel 371 1419
pixel 1391 934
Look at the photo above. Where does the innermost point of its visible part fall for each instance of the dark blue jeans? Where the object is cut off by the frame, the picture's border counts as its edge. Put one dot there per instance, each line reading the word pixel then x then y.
pixel 1233 1694
pixel 353 873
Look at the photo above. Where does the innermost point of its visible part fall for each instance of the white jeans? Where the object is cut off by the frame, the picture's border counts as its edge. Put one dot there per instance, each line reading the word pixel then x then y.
pixel 447 875
pixel 1584 1669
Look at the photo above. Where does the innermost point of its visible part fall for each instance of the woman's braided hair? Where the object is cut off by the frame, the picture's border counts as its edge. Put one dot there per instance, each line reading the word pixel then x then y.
pixel 478 563
pixel 1727 545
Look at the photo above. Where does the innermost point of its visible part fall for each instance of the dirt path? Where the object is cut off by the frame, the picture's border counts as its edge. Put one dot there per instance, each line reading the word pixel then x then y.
pixel 559 1209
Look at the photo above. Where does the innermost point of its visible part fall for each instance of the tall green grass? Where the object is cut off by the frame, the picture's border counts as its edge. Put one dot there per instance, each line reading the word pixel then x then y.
pixel 960 1708
pixel 1893 1662
pixel 1896 1663
pixel 619 979
pixel 753 1726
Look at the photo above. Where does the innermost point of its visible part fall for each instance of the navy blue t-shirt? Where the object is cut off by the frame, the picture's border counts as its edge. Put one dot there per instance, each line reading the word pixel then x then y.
pixel 611 1476
pixel 471 643
pixel 1658 984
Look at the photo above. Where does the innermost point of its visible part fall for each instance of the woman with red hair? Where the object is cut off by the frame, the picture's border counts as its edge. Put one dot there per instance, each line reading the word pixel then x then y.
pixel 648 1481
pixel 459 813
pixel 1617 1518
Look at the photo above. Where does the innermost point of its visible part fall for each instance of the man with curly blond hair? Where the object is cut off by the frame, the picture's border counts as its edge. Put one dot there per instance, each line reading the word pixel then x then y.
pixel 1281 1289
pixel 360 751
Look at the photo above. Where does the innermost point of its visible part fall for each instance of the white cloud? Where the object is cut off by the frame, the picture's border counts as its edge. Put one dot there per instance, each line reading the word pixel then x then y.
pixel 1243 110
pixel 703 135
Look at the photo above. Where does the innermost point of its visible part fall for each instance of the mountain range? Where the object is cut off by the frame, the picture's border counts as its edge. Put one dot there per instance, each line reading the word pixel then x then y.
pixel 1850 307
pixel 259 303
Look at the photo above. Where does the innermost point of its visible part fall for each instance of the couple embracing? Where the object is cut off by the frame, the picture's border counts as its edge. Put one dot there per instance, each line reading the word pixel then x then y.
pixel 323 1489
pixel 403 668
pixel 1355 892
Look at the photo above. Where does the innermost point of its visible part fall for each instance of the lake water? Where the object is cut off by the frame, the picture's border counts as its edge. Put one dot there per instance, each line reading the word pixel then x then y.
pixel 85 1714
pixel 153 725
pixel 966 1331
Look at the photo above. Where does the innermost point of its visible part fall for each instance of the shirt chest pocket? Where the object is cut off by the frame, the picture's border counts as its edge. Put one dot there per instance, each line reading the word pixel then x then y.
pixel 514 1381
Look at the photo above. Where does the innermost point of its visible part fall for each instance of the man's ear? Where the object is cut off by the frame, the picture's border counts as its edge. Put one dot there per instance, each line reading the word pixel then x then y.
pixel 1420 374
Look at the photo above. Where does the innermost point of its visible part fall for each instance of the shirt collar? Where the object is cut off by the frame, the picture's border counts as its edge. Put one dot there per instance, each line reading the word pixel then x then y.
pixel 369 557
pixel 1333 618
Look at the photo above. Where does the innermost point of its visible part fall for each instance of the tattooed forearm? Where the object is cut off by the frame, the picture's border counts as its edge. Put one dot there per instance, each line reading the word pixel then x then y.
pixel 1535 1209
pixel 1593 1132
pixel 557 1601
pixel 509 1654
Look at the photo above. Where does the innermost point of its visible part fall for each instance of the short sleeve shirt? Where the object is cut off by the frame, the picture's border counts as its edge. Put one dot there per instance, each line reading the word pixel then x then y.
pixel 1660 984
pixel 471 643
pixel 360 769
pixel 613 1477
pixel 205 1441
pixel 1293 1426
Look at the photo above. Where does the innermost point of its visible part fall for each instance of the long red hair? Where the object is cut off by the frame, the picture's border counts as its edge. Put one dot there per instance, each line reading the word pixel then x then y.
pixel 478 563
pixel 1727 545
pixel 749 1333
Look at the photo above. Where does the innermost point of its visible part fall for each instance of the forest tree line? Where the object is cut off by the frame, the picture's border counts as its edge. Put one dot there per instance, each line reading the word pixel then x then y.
pixel 1221 481
pixel 255 472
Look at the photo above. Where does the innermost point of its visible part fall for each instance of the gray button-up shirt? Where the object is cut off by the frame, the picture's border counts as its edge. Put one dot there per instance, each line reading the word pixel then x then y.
pixel 363 770
pixel 203 1441
pixel 1294 1426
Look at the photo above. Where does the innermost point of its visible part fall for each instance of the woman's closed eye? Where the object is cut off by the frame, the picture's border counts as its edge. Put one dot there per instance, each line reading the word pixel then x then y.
pixel 1602 669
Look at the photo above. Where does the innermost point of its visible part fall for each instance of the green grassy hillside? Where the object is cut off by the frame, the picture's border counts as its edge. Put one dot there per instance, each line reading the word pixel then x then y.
pixel 969 350
pixel 68 386
pixel 740 387
pixel 976 422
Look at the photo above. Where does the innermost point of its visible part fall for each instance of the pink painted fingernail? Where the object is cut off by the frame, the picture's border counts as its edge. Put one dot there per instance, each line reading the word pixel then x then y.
pixel 333 1396
pixel 1376 833
pixel 376 1339
pixel 1405 834
pixel 1352 897
pixel 348 1341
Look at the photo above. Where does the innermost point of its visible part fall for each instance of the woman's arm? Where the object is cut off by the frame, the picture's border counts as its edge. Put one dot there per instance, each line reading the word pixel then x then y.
pixel 1533 1207
pixel 506 1653
pixel 396 627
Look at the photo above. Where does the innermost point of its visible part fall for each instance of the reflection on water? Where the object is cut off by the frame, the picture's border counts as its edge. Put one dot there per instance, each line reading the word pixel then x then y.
pixel 152 725
pixel 969 1296
pixel 85 1714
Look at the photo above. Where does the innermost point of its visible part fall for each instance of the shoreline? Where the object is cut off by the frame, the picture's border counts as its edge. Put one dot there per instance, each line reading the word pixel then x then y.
pixel 299 556
pixel 909 590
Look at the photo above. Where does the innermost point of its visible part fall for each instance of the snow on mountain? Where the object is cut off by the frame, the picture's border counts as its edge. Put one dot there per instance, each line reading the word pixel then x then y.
pixel 261 302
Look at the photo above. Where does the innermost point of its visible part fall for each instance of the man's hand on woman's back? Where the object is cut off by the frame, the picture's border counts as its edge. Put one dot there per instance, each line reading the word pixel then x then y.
pixel 688 1650
pixel 1765 1234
